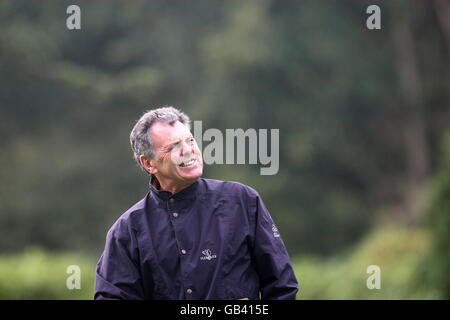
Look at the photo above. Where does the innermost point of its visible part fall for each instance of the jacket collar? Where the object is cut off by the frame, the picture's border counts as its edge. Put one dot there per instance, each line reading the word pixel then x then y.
pixel 187 193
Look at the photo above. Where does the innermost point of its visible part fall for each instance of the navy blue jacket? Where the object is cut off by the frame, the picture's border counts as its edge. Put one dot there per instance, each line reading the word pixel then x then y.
pixel 213 240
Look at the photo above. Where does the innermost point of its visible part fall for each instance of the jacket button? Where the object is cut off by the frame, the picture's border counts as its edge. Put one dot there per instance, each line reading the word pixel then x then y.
pixel 171 200
pixel 189 291
pixel 175 214
pixel 183 251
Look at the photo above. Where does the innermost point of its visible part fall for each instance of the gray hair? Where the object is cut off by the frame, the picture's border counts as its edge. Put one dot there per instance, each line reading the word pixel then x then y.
pixel 141 138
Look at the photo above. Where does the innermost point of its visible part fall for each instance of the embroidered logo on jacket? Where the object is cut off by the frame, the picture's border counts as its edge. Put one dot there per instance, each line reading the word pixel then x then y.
pixel 276 234
pixel 207 255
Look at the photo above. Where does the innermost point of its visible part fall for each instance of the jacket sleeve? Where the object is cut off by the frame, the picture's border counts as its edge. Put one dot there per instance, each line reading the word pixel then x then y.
pixel 276 275
pixel 117 273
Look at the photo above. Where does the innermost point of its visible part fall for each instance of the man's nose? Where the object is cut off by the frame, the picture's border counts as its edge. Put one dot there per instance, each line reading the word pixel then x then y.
pixel 187 148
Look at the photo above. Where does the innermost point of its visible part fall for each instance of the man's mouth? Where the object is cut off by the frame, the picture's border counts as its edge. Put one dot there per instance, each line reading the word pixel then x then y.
pixel 188 163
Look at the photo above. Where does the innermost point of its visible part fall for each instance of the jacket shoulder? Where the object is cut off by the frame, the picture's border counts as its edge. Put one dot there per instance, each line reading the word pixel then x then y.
pixel 233 188
pixel 129 220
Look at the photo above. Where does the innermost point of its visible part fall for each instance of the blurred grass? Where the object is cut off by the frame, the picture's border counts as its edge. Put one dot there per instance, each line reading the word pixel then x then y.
pixel 398 251
pixel 37 274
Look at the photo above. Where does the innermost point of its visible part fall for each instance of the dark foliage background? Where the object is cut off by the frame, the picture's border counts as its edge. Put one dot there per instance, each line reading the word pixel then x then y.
pixel 362 113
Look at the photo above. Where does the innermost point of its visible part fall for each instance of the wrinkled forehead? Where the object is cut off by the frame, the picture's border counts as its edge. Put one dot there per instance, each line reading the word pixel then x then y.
pixel 164 133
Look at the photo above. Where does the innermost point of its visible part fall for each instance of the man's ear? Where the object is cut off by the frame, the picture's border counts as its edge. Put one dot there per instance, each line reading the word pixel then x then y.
pixel 147 163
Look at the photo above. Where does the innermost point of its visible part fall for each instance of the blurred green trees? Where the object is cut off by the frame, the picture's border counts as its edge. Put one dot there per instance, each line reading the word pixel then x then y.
pixel 38 274
pixel 360 112
pixel 436 265
pixel 397 251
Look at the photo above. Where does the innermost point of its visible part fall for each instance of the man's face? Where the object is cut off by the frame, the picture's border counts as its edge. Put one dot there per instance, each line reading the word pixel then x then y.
pixel 178 159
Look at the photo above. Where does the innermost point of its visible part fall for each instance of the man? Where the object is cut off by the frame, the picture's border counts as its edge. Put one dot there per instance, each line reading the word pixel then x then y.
pixel 190 238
